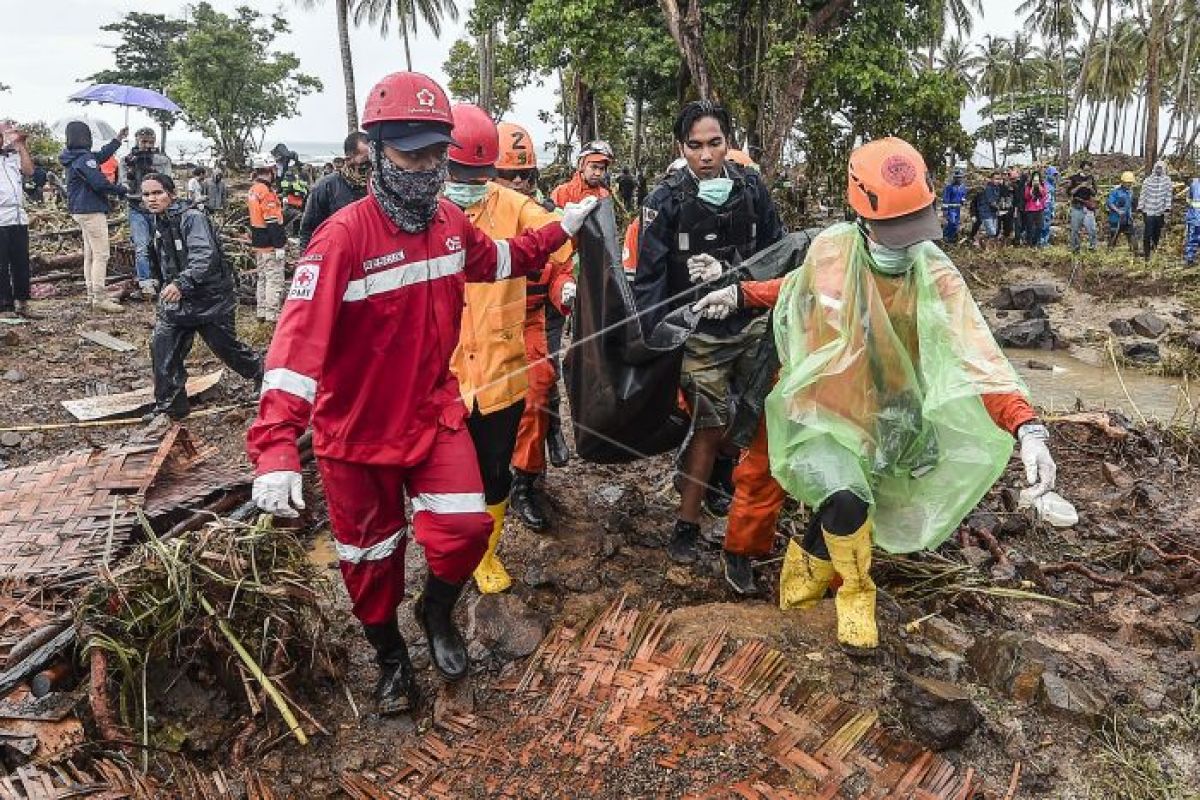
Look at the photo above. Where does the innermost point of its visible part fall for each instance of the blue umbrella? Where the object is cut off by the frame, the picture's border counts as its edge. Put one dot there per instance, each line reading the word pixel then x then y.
pixel 116 94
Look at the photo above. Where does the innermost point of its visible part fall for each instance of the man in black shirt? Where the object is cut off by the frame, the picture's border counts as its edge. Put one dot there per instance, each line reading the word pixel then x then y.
pixel 626 186
pixel 1081 189
pixel 338 189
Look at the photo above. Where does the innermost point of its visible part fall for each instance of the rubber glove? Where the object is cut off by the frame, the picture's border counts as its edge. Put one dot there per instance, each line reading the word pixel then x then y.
pixel 272 491
pixel 568 293
pixel 1040 470
pixel 575 214
pixel 704 268
pixel 719 303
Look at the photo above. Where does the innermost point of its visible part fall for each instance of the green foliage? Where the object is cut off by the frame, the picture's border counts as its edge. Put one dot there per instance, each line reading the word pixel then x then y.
pixel 1026 121
pixel 512 73
pixel 40 140
pixel 145 56
pixel 230 81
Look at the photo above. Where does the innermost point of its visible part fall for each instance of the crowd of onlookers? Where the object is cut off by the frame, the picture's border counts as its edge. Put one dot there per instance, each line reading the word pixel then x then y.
pixel 1017 207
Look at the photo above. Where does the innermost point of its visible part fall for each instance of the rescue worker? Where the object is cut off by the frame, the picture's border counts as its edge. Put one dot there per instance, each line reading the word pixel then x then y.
pixel 199 296
pixel 1120 205
pixel 953 197
pixel 490 361
pixel 338 189
pixel 556 284
pixel 363 352
pixel 697 225
pixel 895 409
pixel 590 178
pixel 267 237
pixel 143 159
pixel 1192 220
pixel 517 169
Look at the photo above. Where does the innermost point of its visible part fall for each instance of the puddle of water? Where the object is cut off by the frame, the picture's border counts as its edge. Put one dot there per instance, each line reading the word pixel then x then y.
pixel 1096 385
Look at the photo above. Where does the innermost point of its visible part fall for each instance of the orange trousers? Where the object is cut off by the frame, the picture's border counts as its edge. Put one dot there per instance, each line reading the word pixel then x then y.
pixel 757 499
pixel 530 452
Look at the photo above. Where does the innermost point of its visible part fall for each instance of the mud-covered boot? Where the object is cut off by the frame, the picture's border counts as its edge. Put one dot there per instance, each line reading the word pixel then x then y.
pixel 719 494
pixel 804 580
pixel 739 573
pixel 682 547
pixel 557 451
pixel 434 611
pixel 396 691
pixel 851 557
pixel 523 501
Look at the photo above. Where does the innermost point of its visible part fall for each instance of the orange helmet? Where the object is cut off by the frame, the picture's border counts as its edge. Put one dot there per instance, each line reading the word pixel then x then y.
pixel 739 157
pixel 888 179
pixel 517 150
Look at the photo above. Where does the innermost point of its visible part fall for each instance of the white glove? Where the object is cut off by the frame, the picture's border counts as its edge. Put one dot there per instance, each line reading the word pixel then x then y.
pixel 568 293
pixel 1040 469
pixel 704 268
pixel 719 303
pixel 273 490
pixel 575 213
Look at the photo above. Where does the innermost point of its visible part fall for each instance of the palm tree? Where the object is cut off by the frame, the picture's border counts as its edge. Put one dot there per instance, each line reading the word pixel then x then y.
pixel 342 10
pixel 958 62
pixel 947 14
pixel 991 81
pixel 1057 20
pixel 407 13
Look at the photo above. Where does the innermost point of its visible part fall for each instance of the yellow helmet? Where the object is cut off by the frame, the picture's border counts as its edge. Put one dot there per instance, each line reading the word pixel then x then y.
pixel 1127 177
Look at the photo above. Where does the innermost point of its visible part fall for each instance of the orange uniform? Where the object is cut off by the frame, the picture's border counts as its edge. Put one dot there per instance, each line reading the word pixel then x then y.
pixel 490 360
pixel 575 189
pixel 266 217
pixel 757 497
pixel 629 251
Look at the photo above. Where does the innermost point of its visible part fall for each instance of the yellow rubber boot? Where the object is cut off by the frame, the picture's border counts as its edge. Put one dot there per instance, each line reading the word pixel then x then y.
pixel 490 576
pixel 851 557
pixel 804 579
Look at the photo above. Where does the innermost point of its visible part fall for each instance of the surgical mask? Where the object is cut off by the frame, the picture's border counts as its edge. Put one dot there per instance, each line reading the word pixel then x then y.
pixel 715 191
pixel 889 260
pixel 464 195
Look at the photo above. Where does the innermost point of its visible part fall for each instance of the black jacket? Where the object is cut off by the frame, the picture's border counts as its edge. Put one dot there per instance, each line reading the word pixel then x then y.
pixel 187 252
pixel 746 224
pixel 330 194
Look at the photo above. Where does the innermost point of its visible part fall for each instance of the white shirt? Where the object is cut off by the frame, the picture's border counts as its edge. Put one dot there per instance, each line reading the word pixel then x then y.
pixel 196 190
pixel 12 191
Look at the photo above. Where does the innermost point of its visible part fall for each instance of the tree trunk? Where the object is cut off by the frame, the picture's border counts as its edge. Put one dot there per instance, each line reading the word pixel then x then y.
pixel 343 26
pixel 486 47
pixel 1077 100
pixel 795 83
pixel 1103 96
pixel 637 125
pixel 686 30
pixel 404 36
pixel 1161 12
pixel 585 113
pixel 1181 86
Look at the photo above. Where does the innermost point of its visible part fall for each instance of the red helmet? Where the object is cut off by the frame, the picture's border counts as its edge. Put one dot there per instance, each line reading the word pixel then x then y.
pixel 408 111
pixel 477 143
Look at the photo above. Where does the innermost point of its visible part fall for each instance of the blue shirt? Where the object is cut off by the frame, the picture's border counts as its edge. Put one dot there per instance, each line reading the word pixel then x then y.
pixel 1120 199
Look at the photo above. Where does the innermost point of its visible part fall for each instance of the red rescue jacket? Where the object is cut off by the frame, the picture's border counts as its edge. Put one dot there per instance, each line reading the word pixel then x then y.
pixel 363 345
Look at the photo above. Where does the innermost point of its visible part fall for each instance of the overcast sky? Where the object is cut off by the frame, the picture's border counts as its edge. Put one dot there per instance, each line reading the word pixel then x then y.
pixel 51 44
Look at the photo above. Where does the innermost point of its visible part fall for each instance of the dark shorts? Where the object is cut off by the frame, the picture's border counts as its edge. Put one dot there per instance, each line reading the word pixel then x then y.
pixel 714 367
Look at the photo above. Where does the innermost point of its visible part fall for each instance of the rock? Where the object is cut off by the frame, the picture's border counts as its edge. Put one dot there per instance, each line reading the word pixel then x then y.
pixel 1189 612
pixel 610 494
pixel 679 576
pixel 505 625
pixel 1002 315
pixel 1027 334
pixel 1145 352
pixel 1022 297
pixel 1116 476
pixel 1182 314
pixel 939 714
pixel 948 635
pixel 1011 664
pixel 1148 324
pixel 1037 312
pixel 1192 342
pixel 1071 700
pixel 9 338
pixel 1042 365
pixel 10 439
pixel 15 376
pixel 1120 327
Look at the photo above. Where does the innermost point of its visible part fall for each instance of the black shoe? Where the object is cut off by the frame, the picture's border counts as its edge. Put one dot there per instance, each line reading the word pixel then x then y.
pixel 396 691
pixel 434 610
pixel 556 446
pixel 682 548
pixel 719 494
pixel 739 573
pixel 523 501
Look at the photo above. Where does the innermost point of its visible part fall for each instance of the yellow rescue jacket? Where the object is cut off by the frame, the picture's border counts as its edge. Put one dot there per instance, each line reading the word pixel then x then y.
pixel 489 361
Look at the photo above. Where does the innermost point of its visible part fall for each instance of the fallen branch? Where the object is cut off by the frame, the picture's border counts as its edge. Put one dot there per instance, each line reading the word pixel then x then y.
pixel 102 710
pixel 1092 575
pixel 108 423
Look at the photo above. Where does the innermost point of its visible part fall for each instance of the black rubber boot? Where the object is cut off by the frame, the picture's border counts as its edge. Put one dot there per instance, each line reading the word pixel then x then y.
pixel 557 451
pixel 523 502
pixel 739 573
pixel 396 691
pixel 434 610
pixel 682 548
pixel 719 494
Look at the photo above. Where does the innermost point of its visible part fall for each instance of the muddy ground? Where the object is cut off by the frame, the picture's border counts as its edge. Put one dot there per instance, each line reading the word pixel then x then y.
pixel 1080 647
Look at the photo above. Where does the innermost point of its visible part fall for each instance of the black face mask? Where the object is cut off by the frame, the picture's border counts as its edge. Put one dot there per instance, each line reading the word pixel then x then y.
pixel 409 198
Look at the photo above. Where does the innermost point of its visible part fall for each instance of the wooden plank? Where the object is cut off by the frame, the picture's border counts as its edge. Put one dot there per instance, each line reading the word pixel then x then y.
pixel 87 409
pixel 107 340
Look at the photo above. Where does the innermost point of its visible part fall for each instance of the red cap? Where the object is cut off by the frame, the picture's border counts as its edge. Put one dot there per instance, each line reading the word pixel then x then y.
pixel 408 111
pixel 477 143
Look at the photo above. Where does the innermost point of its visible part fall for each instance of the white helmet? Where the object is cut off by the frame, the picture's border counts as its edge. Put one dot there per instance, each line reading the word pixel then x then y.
pixel 597 147
pixel 262 161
